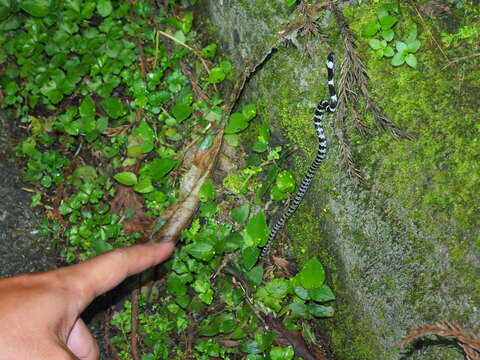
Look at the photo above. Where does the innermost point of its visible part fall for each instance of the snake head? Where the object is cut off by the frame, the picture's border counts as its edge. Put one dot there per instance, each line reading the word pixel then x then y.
pixel 331 57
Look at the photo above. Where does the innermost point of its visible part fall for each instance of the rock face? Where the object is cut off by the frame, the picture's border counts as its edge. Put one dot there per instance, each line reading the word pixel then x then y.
pixel 21 251
pixel 403 249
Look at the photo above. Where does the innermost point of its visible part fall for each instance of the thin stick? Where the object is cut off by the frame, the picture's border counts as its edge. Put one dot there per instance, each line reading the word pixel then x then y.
pixel 460 59
pixel 428 30
pixel 187 47
pixel 134 319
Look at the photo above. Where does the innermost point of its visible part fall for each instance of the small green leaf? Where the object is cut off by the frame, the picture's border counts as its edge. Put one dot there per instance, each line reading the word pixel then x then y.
pixel 231 243
pixel 249 111
pixel 386 22
pixel 208 51
pixel 175 285
pixel 388 34
pixel 285 181
pixel 302 293
pixel 411 60
pixel 255 275
pixel 276 194
pixel 141 141
pixel 208 209
pixel 256 231
pixel 401 47
pixel 398 59
pixel 113 107
pixel 290 2
pixel 240 214
pixel 282 353
pixel 46 181
pixel 236 123
pixel 278 288
pixel 318 310
pixel 375 44
pixel 321 294
pixel 144 185
pixel 312 275
pixel 226 66
pixel 250 257
pixel 370 29
pixel 104 7
pixel 379 54
pixel 181 111
pixel 11 88
pixel 101 245
pixel 412 33
pixel 216 75
pixel 201 286
pixel 87 107
pixel 39 8
pixel 158 168
pixel 126 178
pixel 413 46
pixel 207 191
pixel 382 12
pixel 201 250
pixel 388 51
pixel 232 139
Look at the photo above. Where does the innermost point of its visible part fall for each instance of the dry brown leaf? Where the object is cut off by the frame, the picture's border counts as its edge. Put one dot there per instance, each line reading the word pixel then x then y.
pixel 117 130
pixel 284 264
pixel 178 217
pixel 126 198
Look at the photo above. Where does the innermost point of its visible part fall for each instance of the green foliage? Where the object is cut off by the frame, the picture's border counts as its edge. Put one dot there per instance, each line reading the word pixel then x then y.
pixel 117 113
pixel 239 121
pixel 468 33
pixel 385 46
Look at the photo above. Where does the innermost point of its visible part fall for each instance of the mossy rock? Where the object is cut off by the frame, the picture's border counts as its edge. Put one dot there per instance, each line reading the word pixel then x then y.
pixel 403 249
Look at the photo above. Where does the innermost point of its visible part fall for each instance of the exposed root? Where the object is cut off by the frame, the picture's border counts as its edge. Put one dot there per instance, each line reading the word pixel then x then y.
pixel 467 341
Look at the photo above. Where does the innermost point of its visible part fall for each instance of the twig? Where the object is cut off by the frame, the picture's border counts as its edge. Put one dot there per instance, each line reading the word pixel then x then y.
pixel 186 47
pixel 110 348
pixel 460 59
pixel 134 319
pixel 425 26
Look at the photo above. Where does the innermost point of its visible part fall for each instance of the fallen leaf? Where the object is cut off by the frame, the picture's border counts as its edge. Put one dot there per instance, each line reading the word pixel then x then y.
pixel 178 217
pixel 125 199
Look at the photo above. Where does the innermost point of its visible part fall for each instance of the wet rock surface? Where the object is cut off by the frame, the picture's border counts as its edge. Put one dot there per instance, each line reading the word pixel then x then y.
pixel 21 251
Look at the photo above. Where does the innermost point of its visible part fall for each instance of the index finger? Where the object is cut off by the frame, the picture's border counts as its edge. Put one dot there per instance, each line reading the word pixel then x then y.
pixel 102 273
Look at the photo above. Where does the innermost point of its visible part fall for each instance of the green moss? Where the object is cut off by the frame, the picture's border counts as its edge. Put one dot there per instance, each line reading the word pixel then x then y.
pixel 420 201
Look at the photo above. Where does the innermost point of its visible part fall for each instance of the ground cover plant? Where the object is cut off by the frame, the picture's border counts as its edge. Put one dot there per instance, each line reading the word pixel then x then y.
pixel 116 97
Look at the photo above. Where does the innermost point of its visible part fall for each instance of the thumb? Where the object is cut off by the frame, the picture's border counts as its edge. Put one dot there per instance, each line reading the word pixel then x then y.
pixel 81 342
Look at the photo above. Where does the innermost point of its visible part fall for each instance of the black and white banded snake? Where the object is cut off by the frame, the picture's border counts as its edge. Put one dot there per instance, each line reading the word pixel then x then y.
pixel 323 107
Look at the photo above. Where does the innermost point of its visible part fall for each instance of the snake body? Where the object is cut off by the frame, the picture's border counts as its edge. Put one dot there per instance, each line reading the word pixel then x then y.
pixel 323 107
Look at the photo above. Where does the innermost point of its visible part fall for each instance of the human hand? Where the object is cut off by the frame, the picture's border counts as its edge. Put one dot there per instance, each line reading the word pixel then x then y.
pixel 40 312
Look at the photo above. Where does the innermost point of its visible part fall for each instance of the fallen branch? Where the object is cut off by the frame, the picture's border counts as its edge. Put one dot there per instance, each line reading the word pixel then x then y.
pixel 134 320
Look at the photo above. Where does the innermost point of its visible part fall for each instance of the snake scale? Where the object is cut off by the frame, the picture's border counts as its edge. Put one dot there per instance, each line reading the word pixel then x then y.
pixel 323 107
